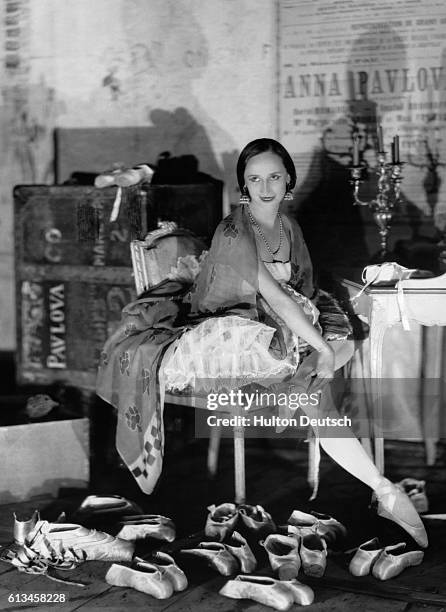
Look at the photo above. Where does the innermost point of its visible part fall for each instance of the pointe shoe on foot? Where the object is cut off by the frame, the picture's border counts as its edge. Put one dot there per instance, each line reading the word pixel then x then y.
pixel 395 505
pixel 221 521
pixel 264 590
pixel 313 554
pixel 142 576
pixel 167 565
pixel 365 557
pixel 257 519
pixel 283 554
pixel 216 556
pixel 393 560
pixel 416 492
pixel 142 526
pixel 239 548
pixel 302 593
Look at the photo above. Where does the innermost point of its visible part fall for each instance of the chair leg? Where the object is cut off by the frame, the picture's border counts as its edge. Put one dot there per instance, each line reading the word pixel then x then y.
pixel 213 450
pixel 239 462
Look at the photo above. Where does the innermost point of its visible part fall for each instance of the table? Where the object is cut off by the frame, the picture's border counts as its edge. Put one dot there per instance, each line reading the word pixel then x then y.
pixel 423 301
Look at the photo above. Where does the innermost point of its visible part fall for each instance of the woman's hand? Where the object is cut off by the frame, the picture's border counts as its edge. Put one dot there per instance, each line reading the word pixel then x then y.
pixel 324 366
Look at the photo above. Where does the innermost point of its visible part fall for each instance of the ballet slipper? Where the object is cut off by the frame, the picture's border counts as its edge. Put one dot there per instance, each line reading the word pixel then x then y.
pixel 313 553
pixel 142 576
pixel 393 560
pixel 394 504
pixel 283 554
pixel 23 528
pixel 302 593
pixel 132 176
pixel 325 525
pixel 256 519
pixel 264 590
pixel 216 555
pixel 416 491
pixel 239 548
pixel 365 557
pixel 167 564
pixel 221 520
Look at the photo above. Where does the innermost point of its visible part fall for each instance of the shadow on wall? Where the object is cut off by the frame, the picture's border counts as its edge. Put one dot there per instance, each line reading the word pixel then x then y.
pixel 336 231
pixel 97 149
pixel 163 54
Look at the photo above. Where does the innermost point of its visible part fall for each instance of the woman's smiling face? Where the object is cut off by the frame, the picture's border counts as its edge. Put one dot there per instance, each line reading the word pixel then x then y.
pixel 266 179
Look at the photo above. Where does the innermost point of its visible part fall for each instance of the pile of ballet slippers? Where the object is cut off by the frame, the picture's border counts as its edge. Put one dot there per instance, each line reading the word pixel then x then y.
pixel 235 536
pixel 303 546
pixel 43 547
pixel 383 562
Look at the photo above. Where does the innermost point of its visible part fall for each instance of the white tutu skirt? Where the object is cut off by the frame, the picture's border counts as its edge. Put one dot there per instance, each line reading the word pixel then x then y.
pixel 230 351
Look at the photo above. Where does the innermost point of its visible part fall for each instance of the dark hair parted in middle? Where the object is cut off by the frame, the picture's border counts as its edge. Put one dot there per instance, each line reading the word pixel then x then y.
pixel 263 145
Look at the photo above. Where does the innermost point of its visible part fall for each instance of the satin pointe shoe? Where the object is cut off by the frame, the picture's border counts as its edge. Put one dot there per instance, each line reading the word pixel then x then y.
pixel 325 525
pixel 329 528
pixel 264 590
pixel 132 176
pixel 216 556
pixel 167 565
pixel 55 540
pixel 302 593
pixel 107 178
pixel 23 528
pixel 221 521
pixel 283 554
pixel 107 505
pixel 142 526
pixel 239 548
pixel 416 492
pixel 394 504
pixel 142 576
pixel 365 557
pixel 313 554
pixel 300 523
pixel 393 560
pixel 257 519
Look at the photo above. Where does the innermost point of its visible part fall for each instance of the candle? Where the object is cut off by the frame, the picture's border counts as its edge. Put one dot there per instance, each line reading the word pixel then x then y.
pixel 356 151
pixel 380 139
pixel 396 149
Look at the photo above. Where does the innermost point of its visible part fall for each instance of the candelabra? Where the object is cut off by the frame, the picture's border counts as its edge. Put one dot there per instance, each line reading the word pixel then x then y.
pixel 388 189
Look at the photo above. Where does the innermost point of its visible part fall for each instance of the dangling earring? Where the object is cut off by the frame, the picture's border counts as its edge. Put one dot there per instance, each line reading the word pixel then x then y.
pixel 244 196
pixel 288 195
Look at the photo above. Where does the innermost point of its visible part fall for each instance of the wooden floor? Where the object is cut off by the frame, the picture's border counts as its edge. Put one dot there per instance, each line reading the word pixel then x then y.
pixel 275 479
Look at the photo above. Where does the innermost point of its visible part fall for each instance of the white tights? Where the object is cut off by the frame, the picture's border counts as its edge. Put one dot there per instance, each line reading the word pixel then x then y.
pixel 340 443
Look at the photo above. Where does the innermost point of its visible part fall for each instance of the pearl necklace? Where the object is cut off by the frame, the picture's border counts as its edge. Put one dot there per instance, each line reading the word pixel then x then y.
pixel 262 235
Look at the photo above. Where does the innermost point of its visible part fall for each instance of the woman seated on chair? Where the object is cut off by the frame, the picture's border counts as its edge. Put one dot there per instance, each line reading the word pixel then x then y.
pixel 252 313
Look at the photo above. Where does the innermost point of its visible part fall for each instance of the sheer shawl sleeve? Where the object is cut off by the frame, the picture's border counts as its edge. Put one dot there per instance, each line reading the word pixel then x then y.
pixel 301 267
pixel 228 280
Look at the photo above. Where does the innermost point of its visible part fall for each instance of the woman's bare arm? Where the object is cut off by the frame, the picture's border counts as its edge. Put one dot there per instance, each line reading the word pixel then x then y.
pixel 293 316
